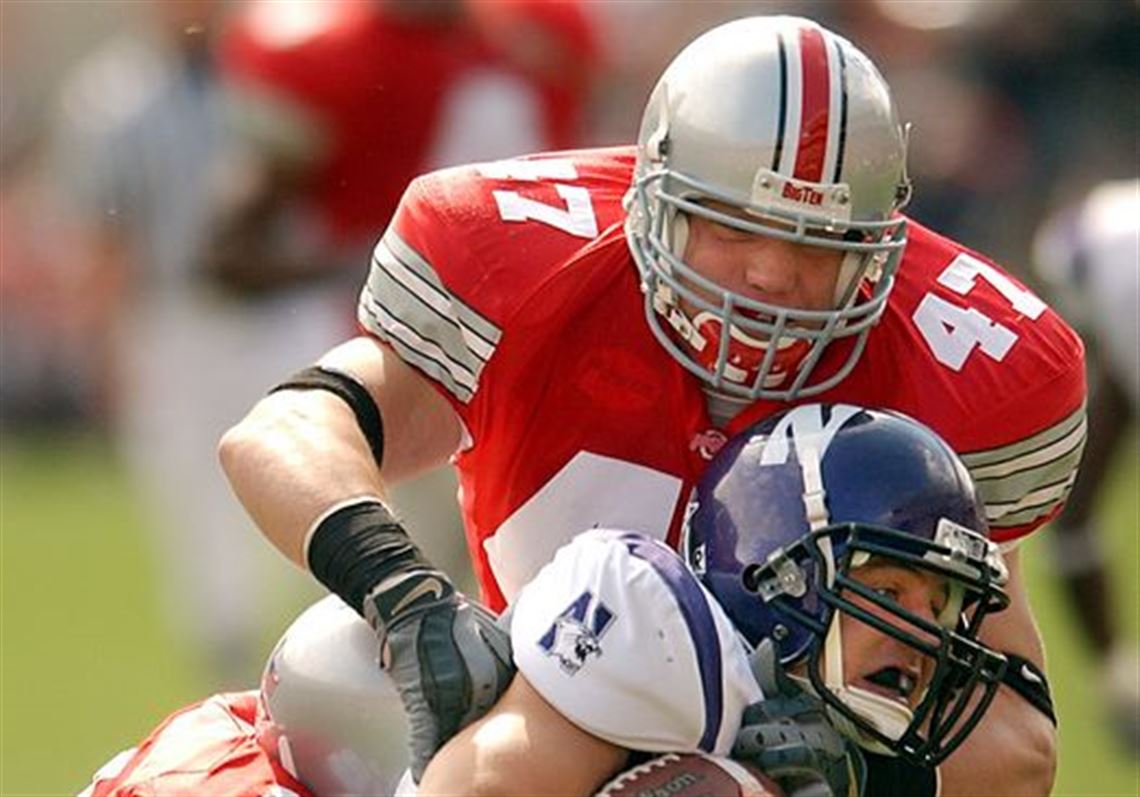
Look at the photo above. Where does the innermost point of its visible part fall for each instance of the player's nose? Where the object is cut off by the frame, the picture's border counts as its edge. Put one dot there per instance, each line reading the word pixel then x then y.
pixel 770 270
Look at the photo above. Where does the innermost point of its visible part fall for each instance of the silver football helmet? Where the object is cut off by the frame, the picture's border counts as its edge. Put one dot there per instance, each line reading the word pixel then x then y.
pixel 794 129
pixel 328 712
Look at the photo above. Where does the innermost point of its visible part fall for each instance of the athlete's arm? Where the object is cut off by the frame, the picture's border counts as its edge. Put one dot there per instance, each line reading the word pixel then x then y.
pixel 301 461
pixel 522 747
pixel 1013 750
pixel 298 452
pixel 614 641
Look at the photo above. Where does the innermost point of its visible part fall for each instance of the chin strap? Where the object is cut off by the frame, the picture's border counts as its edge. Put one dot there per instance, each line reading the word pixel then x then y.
pixel 856 269
pixel 666 305
pixel 886 716
pixel 847 283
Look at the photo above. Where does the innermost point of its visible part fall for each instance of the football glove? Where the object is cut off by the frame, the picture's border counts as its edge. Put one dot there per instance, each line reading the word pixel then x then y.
pixel 787 735
pixel 447 655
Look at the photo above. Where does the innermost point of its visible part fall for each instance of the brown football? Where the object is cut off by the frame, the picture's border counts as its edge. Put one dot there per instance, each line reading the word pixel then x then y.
pixel 691 775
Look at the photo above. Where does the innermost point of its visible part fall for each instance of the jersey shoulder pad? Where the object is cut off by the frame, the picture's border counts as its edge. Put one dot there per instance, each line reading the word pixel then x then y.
pixel 619 636
pixel 468 246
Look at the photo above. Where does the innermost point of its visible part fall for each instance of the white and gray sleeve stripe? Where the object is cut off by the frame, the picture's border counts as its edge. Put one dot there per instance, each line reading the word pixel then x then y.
pixel 1027 479
pixel 406 304
pixel 1031 506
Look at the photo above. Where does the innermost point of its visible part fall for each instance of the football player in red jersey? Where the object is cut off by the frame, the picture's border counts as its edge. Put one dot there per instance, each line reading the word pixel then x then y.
pixel 580 357
pixel 909 678
pixel 207 749
pixel 310 731
pixel 342 102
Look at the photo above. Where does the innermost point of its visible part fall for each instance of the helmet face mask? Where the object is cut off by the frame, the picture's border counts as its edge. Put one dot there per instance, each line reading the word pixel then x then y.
pixel 799 526
pixel 733 122
pixel 959 677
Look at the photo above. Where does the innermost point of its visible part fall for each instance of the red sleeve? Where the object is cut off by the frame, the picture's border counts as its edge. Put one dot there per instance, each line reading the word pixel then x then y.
pixel 996 372
pixel 469 246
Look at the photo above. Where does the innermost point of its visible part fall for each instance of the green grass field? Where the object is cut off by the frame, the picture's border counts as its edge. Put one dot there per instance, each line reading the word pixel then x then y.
pixel 87 668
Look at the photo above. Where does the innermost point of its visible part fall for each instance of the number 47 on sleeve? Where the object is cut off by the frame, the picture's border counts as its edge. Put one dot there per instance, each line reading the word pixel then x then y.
pixel 953 332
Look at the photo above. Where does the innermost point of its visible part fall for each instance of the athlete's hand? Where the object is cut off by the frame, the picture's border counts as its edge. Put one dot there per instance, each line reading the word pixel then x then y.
pixel 448 656
pixel 788 736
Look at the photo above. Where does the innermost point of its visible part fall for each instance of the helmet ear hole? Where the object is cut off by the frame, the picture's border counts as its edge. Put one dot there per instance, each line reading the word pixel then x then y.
pixel 678 232
pixel 750 577
pixel 902 195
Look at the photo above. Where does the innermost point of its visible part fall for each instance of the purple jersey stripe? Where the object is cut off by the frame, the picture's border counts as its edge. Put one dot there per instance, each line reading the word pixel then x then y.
pixel 699 621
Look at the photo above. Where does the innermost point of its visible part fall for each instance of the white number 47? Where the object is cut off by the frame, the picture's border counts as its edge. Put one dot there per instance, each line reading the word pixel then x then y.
pixel 953 332
pixel 577 218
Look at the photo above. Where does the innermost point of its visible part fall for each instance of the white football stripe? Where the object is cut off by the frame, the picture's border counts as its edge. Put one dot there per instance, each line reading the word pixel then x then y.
pixel 432 358
pixel 835 107
pixel 794 108
pixel 401 280
pixel 465 315
pixel 1026 445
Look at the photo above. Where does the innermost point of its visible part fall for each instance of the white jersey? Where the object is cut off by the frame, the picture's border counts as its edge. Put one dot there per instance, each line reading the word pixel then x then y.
pixel 1092 257
pixel 619 636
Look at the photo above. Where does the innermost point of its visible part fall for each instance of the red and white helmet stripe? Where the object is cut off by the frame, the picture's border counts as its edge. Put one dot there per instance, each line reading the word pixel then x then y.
pixel 813 118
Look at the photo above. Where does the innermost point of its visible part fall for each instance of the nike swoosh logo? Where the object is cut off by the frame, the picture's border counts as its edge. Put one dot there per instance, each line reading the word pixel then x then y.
pixel 1029 675
pixel 429 586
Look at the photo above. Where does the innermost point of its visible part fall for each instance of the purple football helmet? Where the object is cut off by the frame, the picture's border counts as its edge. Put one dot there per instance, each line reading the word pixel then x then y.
pixel 790 507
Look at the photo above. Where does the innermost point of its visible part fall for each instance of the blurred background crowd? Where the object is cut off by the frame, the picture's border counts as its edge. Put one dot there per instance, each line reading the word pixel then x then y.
pixel 190 190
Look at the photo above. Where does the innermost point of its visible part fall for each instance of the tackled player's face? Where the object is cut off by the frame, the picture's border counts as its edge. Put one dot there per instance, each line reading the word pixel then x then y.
pixel 876 661
pixel 763 268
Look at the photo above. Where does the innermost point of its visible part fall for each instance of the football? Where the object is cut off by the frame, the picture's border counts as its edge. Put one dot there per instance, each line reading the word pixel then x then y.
pixel 691 775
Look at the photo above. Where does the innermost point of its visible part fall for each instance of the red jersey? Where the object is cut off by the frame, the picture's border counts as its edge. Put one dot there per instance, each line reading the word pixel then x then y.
pixel 369 89
pixel 208 749
pixel 510 286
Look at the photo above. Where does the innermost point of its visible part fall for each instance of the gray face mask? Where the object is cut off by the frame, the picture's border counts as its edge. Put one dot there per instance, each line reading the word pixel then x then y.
pixel 731 121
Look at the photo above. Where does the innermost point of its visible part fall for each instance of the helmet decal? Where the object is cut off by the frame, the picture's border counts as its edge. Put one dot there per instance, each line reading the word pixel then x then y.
pixel 807 426
pixel 575 635
pixel 813 117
